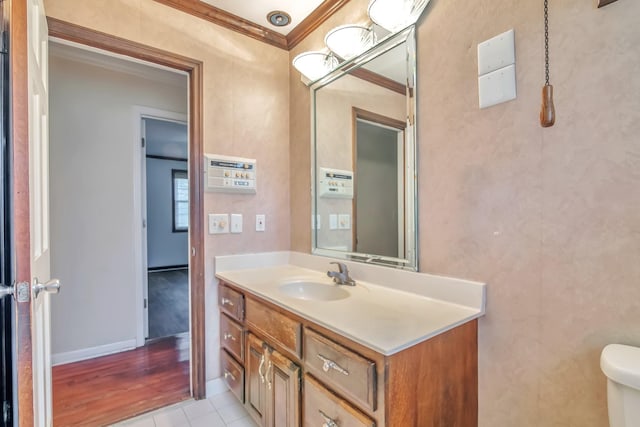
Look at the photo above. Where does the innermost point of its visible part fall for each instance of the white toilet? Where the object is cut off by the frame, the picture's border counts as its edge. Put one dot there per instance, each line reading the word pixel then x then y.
pixel 621 365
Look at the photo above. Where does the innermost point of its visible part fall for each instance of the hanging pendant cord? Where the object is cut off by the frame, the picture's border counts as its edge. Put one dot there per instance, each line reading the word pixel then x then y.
pixel 546 41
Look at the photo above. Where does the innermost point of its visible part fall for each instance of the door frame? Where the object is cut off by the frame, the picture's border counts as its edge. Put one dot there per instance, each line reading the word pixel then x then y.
pixel 140 195
pixel 193 67
pixel 359 114
pixel 21 234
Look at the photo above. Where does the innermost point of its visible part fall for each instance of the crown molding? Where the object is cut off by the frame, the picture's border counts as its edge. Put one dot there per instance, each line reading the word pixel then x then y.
pixel 233 22
pixel 228 20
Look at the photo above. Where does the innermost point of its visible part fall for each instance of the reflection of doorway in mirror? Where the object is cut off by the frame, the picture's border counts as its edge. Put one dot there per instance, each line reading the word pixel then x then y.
pixel 378 205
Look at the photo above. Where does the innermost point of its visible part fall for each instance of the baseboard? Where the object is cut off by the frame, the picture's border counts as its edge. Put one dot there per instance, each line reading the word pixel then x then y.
pixel 216 386
pixel 90 353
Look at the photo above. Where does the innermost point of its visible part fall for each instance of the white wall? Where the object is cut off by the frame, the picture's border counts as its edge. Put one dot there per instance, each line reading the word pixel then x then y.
pixel 92 203
pixel 166 247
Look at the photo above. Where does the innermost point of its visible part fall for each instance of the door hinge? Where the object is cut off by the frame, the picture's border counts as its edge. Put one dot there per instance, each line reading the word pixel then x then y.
pixel 142 142
pixel 145 303
pixel 144 223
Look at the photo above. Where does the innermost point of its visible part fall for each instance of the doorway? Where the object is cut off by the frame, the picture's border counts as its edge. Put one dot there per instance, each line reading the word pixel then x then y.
pixel 378 164
pixel 71 33
pixel 97 235
pixel 166 220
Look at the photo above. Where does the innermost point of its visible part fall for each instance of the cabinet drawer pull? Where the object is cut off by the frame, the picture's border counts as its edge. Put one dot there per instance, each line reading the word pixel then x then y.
pixel 227 335
pixel 330 364
pixel 269 368
pixel 328 421
pixel 227 301
pixel 260 369
pixel 229 374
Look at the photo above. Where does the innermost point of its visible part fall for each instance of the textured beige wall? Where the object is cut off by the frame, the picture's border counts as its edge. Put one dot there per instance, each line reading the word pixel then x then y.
pixel 246 113
pixel 549 218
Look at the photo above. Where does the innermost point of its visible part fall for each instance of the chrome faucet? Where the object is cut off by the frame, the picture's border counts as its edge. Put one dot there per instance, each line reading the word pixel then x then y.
pixel 341 277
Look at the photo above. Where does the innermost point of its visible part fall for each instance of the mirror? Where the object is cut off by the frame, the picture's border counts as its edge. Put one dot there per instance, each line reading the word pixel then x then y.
pixel 364 163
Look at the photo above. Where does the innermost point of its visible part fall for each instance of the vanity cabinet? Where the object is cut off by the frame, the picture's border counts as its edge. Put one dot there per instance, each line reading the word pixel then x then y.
pixel 299 373
pixel 273 386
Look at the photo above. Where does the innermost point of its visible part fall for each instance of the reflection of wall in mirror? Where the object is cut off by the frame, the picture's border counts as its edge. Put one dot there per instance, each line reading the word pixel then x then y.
pixel 334 143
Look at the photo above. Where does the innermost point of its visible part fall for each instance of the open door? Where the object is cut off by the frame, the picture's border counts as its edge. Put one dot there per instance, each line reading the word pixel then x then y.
pixel 42 284
pixel 29 211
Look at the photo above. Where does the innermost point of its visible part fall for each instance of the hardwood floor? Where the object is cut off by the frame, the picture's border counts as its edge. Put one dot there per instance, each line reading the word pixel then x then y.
pixel 112 388
pixel 168 303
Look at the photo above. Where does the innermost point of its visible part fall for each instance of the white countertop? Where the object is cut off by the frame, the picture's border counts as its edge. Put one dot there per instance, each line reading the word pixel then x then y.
pixel 378 316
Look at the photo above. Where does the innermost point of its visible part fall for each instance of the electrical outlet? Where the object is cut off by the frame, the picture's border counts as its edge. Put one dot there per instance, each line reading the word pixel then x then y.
pixel 218 223
pixel 260 222
pixel 333 221
pixel 236 223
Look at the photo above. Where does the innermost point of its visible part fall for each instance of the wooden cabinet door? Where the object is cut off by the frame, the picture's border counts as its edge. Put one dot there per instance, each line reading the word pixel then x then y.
pixel 256 384
pixel 283 386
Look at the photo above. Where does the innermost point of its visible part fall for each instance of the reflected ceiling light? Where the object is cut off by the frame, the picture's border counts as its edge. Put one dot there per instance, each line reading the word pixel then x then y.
pixel 395 15
pixel 315 64
pixel 349 41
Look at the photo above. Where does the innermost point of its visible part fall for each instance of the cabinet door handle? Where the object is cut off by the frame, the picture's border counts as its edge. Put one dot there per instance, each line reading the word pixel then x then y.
pixel 260 369
pixel 328 421
pixel 229 374
pixel 269 368
pixel 227 301
pixel 227 335
pixel 330 364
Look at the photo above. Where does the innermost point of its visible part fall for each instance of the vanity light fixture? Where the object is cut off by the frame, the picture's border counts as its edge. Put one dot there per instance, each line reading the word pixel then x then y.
pixel 395 15
pixel 349 41
pixel 315 64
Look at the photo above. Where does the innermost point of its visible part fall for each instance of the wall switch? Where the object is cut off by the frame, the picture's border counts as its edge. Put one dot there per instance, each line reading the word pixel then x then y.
pixel 497 87
pixel 333 221
pixel 236 223
pixel 218 223
pixel 260 222
pixel 496 53
pixel 344 221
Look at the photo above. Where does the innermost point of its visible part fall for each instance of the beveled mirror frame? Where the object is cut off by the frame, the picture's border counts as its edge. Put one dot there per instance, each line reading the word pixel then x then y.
pixel 410 261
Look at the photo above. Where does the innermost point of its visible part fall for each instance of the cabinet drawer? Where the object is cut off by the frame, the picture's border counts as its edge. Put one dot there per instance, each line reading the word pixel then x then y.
pixel 276 326
pixel 233 375
pixel 321 407
pixel 349 373
pixel 232 337
pixel 231 302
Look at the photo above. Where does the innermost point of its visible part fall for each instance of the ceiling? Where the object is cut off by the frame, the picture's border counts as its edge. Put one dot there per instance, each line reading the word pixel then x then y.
pixel 256 10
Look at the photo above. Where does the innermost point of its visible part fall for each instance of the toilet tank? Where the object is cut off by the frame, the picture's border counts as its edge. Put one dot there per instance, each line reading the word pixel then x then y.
pixel 621 364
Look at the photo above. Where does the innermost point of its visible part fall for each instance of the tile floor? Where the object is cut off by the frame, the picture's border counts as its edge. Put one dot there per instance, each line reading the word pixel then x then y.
pixel 221 410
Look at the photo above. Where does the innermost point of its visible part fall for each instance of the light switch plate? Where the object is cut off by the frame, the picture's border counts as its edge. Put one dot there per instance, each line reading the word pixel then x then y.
pixel 236 223
pixel 260 222
pixel 333 221
pixel 315 222
pixel 344 221
pixel 496 53
pixel 497 87
pixel 218 223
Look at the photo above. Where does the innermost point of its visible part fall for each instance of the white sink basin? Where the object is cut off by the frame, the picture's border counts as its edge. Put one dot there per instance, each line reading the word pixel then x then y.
pixel 313 291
